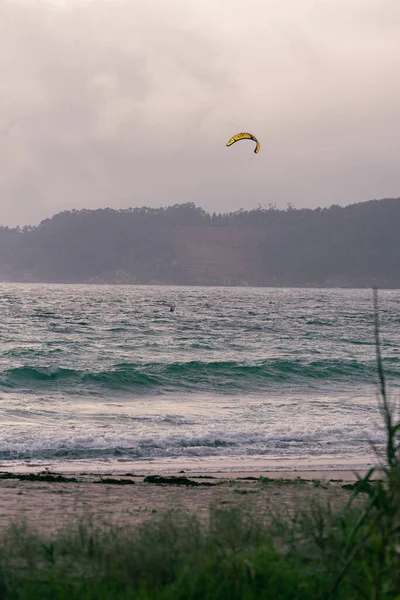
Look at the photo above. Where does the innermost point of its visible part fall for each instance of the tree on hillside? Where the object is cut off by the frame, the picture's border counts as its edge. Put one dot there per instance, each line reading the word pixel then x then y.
pixel 352 245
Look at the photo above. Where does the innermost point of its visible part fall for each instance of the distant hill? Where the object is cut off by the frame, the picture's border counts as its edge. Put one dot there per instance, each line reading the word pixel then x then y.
pixel 356 245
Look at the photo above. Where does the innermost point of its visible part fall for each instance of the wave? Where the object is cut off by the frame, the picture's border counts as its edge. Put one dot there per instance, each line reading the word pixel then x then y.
pixel 228 376
pixel 95 446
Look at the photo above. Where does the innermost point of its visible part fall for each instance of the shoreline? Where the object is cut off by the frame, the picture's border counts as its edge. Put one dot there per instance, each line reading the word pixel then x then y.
pixel 325 475
pixel 51 495
pixel 49 501
pixel 276 466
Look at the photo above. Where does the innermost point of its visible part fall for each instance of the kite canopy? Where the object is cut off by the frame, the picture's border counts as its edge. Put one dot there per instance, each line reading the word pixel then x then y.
pixel 244 136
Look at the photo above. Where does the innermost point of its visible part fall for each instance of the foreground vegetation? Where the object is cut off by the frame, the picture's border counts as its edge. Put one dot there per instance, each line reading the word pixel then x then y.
pixel 319 553
pixel 237 555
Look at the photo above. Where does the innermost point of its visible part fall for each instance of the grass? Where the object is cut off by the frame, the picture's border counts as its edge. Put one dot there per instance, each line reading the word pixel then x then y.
pixel 315 554
pixel 373 544
pixel 175 557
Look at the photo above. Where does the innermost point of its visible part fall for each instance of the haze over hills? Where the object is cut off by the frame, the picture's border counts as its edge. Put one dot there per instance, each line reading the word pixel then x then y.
pixel 357 245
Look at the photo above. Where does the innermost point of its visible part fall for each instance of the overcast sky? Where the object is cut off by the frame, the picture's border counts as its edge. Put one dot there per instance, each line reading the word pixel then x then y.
pixel 130 102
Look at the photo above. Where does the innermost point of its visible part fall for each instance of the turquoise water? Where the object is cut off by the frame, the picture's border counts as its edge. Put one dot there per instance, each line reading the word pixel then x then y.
pixel 109 374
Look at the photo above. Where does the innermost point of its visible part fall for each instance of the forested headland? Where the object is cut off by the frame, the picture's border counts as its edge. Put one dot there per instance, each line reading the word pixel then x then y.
pixel 352 246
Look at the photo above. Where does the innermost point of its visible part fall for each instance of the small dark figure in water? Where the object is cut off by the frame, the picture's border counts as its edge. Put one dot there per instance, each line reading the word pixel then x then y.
pixel 172 308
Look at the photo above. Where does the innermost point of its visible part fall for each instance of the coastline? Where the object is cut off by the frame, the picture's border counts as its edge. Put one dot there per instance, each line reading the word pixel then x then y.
pixel 256 465
pixel 48 500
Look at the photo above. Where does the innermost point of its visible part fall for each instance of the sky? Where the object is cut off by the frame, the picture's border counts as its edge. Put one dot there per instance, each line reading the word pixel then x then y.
pixel 128 103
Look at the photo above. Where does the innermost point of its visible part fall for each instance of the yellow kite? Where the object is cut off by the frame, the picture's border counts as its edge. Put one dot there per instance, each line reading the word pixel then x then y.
pixel 244 136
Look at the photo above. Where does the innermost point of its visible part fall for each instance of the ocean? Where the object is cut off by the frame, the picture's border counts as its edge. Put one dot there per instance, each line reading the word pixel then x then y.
pixel 108 378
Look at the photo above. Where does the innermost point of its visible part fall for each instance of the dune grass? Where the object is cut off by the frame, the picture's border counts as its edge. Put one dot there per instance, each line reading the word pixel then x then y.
pixel 235 556
pixel 318 553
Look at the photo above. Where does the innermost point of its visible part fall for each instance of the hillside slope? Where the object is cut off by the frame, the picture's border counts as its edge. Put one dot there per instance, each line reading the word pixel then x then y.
pixel 356 245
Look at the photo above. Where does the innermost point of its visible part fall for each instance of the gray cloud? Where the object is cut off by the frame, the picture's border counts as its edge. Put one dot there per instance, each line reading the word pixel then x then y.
pixel 123 102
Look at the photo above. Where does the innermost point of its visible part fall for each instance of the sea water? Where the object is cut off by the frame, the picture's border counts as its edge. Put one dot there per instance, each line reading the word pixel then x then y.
pixel 109 376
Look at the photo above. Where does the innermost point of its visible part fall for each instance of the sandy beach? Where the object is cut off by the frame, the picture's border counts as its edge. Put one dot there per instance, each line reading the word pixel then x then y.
pixel 50 501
